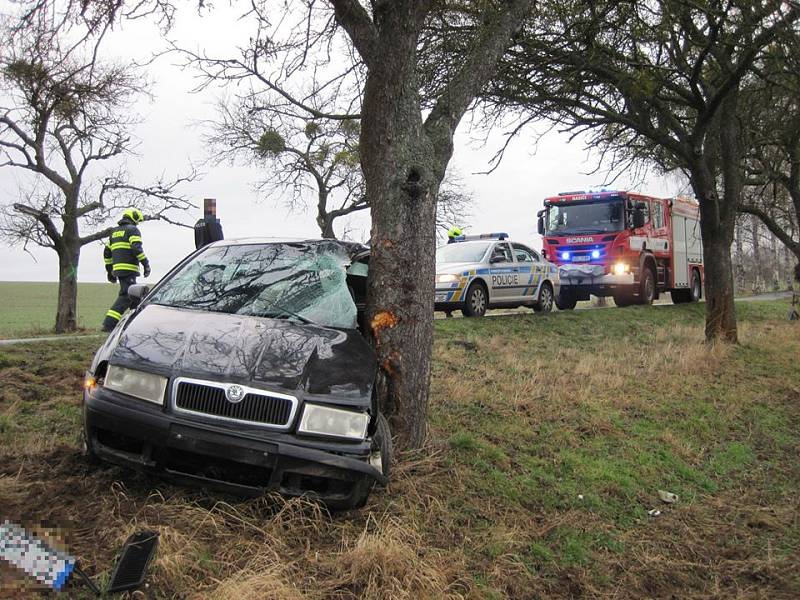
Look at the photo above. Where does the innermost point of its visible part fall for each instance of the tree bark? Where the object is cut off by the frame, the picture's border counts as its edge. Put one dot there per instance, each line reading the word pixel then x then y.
pixel 717 223
pixel 396 158
pixel 720 308
pixel 66 313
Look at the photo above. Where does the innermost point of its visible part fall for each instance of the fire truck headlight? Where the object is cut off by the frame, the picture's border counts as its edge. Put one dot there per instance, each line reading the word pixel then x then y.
pixel 595 254
pixel 565 256
pixel 620 268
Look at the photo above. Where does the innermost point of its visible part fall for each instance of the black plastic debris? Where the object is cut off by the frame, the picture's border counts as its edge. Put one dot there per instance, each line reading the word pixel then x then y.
pixel 137 552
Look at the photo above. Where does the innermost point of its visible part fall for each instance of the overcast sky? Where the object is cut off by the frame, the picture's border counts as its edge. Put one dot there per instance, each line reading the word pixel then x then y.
pixel 171 137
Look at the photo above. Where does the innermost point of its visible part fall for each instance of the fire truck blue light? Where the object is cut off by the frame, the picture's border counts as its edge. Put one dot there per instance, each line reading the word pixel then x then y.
pixel 595 253
pixel 565 256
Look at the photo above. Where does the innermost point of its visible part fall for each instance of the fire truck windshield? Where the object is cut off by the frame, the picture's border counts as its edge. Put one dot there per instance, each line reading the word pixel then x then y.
pixel 584 217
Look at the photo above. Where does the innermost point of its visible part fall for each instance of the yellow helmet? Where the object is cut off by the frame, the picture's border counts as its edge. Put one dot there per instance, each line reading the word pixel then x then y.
pixel 454 232
pixel 134 214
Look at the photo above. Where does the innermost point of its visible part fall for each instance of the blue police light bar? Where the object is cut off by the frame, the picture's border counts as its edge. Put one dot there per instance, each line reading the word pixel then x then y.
pixel 481 236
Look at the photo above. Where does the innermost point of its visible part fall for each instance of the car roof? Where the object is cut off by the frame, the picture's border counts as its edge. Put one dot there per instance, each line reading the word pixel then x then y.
pixel 355 249
pixel 483 242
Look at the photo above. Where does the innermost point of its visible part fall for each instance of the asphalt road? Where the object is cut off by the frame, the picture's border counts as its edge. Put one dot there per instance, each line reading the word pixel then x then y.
pixel 456 315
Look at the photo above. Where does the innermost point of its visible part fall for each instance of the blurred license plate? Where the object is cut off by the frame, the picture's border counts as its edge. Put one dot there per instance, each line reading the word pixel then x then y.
pixel 581 258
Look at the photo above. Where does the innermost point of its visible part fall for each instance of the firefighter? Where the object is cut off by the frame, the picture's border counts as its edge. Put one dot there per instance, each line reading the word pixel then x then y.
pixel 122 255
pixel 453 233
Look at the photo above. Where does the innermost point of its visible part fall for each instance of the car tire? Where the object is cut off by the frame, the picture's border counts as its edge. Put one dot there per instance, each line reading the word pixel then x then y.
pixel 383 437
pixel 88 452
pixel 544 304
pixel 647 287
pixel 476 301
pixel 566 300
pixel 363 487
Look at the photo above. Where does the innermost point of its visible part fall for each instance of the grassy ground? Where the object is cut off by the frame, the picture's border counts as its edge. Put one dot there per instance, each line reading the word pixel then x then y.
pixel 29 308
pixel 549 439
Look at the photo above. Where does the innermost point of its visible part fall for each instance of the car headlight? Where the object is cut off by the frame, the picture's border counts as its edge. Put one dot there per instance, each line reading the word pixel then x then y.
pixel 620 268
pixel 145 386
pixel 324 420
pixel 446 278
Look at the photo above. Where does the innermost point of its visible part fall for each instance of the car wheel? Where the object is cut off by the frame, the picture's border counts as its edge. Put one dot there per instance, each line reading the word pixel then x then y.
pixel 566 300
pixel 695 288
pixel 647 287
pixel 476 301
pixel 88 452
pixel 544 304
pixel 382 440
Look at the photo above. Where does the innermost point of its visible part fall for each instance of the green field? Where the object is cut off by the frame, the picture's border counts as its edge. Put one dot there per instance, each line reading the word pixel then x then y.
pixel 549 439
pixel 29 308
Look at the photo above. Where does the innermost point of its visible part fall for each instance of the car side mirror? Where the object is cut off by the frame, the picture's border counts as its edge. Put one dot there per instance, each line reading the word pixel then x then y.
pixel 137 292
pixel 540 224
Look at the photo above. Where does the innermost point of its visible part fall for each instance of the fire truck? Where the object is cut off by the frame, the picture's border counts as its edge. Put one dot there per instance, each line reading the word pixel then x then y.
pixel 623 244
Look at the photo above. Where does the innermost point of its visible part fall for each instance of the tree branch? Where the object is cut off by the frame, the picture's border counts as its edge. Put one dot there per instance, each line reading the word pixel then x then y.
pixel 359 27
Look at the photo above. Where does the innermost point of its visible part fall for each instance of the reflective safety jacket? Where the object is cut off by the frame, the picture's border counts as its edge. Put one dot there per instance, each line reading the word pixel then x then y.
pixel 123 251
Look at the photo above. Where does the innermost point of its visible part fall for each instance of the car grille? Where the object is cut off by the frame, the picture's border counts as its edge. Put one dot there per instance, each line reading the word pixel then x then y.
pixel 254 407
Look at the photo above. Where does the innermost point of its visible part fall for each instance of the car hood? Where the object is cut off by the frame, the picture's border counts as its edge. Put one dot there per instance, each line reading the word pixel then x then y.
pixel 278 355
pixel 444 268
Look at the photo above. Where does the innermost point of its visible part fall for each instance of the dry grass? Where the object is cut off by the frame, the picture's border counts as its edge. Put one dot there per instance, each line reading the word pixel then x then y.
pixel 548 440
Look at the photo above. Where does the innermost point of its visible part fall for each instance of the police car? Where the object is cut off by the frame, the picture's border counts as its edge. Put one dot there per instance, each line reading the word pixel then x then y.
pixel 489 271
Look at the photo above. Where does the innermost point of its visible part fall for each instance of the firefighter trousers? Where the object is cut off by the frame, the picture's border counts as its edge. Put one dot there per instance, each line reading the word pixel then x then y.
pixel 121 304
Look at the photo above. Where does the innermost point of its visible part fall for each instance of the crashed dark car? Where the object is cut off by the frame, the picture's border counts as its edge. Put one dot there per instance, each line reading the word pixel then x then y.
pixel 244 369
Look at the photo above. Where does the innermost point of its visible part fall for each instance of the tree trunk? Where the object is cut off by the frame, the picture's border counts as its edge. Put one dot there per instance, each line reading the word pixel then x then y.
pixel 717 222
pixel 739 257
pixel 66 313
pixel 396 158
pixel 326 227
pixel 324 218
pixel 756 235
pixel 720 308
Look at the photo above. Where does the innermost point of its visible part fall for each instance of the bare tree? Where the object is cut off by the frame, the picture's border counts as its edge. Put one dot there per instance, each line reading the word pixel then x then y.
pixel 655 81
pixel 773 107
pixel 300 158
pixel 311 160
pixel 64 115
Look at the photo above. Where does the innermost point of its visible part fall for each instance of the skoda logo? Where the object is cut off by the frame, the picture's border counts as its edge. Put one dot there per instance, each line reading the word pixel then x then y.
pixel 234 394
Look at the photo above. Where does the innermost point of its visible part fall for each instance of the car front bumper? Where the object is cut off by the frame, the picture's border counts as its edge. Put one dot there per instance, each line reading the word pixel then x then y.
pixel 448 297
pixel 134 434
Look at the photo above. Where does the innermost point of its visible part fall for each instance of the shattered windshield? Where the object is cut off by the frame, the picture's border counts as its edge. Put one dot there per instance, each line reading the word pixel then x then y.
pixel 300 281
pixel 467 252
pixel 595 217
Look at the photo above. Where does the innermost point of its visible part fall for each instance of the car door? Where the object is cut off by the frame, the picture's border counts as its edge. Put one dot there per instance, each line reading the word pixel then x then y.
pixel 529 273
pixel 503 274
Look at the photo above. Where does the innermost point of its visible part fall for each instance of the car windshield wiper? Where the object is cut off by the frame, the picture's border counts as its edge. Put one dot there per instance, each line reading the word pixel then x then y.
pixel 284 312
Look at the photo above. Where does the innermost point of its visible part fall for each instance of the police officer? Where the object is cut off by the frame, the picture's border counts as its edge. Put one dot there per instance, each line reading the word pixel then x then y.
pixel 453 233
pixel 122 255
